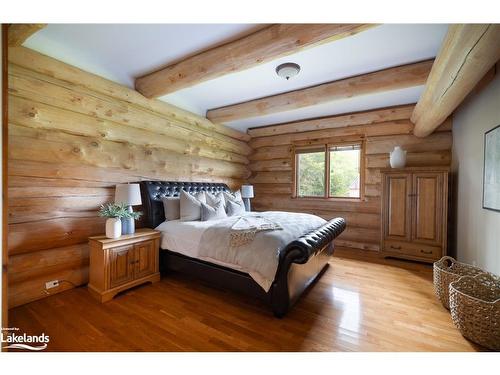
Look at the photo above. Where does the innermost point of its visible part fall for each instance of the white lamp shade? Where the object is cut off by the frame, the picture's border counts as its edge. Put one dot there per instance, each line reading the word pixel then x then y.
pixel 246 191
pixel 129 194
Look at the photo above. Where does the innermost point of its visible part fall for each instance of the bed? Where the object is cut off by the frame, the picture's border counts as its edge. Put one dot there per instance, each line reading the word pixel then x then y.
pixel 183 248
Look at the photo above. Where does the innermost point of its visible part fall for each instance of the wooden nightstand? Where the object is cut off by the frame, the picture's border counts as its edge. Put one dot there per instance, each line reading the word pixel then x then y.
pixel 120 263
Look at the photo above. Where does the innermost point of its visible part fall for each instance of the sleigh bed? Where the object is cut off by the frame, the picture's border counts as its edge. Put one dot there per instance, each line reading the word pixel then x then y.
pixel 301 262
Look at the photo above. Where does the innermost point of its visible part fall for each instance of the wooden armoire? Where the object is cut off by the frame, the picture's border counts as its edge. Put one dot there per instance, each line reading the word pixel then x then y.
pixel 415 213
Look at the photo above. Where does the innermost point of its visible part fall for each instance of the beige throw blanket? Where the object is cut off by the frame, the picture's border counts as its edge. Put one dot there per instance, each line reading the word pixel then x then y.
pixel 245 229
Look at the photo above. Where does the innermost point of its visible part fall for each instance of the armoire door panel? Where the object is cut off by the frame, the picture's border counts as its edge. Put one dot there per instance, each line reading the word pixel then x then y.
pixel 397 207
pixel 428 206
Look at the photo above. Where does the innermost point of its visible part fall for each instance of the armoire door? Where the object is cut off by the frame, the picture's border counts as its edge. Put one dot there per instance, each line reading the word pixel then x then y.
pixel 145 259
pixel 427 219
pixel 121 265
pixel 397 207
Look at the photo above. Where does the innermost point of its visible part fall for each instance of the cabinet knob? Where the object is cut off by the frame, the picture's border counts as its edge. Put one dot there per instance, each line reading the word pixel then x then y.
pixel 426 251
pixel 396 247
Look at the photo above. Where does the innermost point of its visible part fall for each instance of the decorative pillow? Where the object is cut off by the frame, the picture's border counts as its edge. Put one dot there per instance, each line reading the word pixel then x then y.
pixel 190 205
pixel 235 209
pixel 213 213
pixel 213 199
pixel 233 197
pixel 172 208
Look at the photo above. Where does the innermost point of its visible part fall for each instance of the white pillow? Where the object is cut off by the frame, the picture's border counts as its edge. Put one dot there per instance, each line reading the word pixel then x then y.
pixel 233 197
pixel 213 199
pixel 215 212
pixel 190 205
pixel 235 209
pixel 172 208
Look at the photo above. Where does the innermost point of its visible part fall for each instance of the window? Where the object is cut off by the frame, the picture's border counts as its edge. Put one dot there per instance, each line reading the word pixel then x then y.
pixel 345 179
pixel 311 173
pixel 329 171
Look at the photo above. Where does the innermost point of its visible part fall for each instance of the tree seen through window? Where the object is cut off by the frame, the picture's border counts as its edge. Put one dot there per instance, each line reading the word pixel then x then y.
pixel 344 172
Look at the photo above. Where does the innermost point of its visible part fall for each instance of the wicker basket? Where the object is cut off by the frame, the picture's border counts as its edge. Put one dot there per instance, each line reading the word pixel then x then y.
pixel 447 270
pixel 475 308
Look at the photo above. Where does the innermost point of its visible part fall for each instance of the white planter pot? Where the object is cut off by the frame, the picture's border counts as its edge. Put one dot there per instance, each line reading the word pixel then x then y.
pixel 113 227
pixel 397 157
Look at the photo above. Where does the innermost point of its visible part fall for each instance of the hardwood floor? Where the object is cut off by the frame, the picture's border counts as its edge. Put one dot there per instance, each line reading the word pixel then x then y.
pixel 373 305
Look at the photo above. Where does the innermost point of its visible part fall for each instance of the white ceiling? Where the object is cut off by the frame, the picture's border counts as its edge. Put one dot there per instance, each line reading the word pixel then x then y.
pixel 121 52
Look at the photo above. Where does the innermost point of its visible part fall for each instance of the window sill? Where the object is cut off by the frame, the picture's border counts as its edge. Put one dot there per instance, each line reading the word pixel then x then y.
pixel 330 199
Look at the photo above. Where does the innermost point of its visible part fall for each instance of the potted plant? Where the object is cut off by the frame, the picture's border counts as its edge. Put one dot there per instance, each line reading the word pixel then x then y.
pixel 114 212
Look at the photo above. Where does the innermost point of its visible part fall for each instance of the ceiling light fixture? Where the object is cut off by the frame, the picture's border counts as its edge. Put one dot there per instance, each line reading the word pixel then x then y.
pixel 287 70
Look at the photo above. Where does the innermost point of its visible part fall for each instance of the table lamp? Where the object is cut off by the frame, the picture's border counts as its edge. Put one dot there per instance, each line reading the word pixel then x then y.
pixel 247 194
pixel 130 195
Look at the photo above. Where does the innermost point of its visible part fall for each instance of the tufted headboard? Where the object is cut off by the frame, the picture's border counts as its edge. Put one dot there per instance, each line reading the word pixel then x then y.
pixel 153 191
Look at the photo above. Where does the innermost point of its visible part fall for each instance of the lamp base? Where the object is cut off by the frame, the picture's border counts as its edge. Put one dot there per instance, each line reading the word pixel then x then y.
pixel 128 224
pixel 246 201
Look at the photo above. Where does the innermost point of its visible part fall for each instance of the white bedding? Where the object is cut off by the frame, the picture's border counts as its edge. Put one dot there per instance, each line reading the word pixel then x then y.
pixel 182 236
pixel 209 240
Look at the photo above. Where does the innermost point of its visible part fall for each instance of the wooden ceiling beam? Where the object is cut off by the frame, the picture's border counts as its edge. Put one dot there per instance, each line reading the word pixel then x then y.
pixel 399 77
pixel 262 46
pixel 17 33
pixel 368 117
pixel 468 52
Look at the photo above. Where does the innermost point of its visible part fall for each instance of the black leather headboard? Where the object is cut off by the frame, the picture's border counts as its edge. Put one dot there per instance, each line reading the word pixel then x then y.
pixel 153 191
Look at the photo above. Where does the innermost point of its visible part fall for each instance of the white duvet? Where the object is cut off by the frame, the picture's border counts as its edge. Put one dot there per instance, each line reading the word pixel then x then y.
pixel 210 241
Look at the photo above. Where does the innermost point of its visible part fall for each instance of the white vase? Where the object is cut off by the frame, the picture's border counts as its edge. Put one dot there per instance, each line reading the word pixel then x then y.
pixel 113 227
pixel 397 157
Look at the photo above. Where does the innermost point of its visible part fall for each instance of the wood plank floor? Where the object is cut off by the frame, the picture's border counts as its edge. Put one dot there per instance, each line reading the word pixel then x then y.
pixel 358 305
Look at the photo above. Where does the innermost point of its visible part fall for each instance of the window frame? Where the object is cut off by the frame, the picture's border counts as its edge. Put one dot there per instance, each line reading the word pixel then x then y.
pixel 326 146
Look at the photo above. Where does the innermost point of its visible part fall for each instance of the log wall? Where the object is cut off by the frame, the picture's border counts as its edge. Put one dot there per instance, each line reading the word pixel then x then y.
pixel 381 130
pixel 72 137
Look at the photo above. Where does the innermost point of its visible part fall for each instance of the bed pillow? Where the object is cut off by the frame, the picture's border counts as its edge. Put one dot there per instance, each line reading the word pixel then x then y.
pixel 215 212
pixel 235 209
pixel 233 197
pixel 190 205
pixel 172 208
pixel 213 199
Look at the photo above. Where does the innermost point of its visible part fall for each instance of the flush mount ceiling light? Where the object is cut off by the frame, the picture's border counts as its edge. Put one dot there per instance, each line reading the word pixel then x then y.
pixel 287 70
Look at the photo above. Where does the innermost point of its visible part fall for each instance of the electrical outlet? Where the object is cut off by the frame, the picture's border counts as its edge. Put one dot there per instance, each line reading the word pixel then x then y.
pixel 51 284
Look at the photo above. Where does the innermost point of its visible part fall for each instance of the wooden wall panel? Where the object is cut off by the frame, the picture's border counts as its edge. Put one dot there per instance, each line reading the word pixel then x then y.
pixel 271 165
pixel 51 68
pixel 73 136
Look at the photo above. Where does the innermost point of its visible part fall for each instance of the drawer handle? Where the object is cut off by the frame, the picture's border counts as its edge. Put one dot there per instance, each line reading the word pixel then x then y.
pixel 396 247
pixel 426 251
